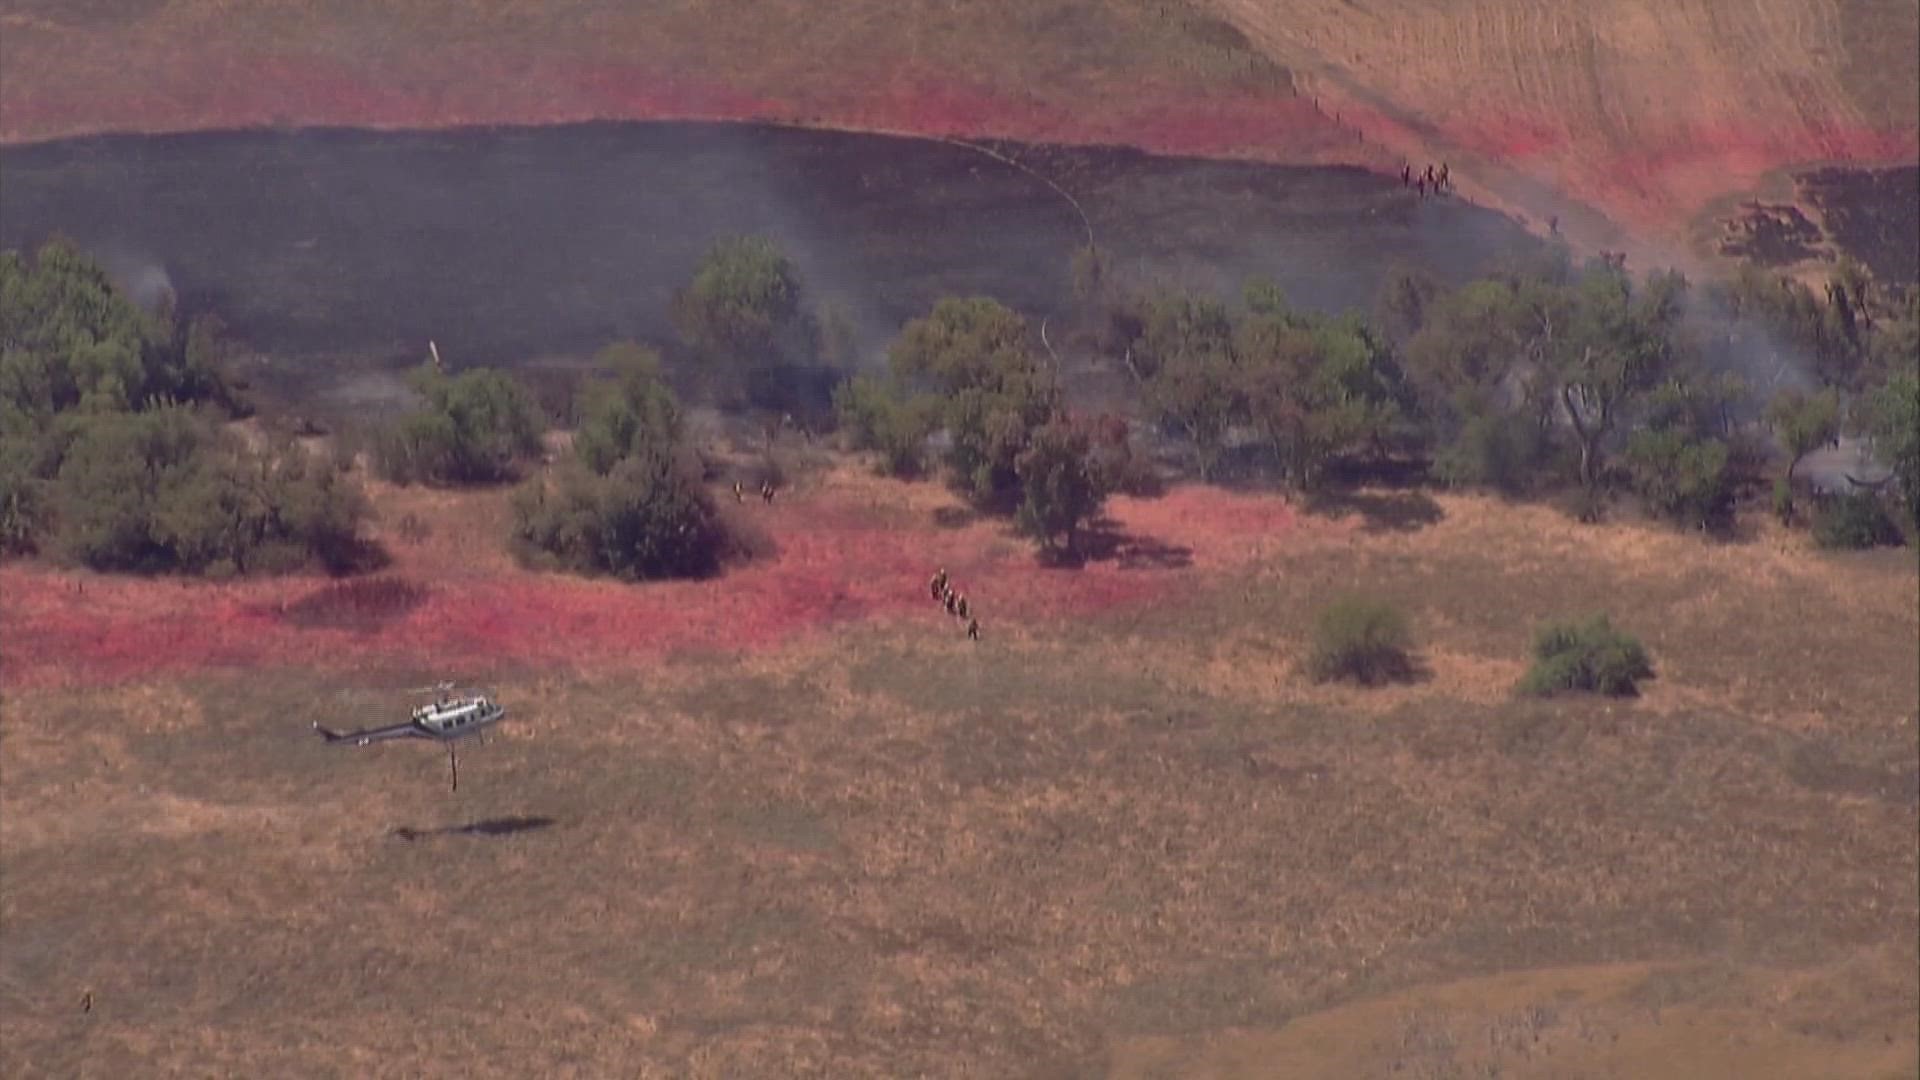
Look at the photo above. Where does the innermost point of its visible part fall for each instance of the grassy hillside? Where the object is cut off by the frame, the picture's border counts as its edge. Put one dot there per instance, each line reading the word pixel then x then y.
pixel 1644 108
pixel 1629 111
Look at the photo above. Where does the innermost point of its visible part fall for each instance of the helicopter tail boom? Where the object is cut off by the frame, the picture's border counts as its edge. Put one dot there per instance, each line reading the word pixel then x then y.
pixel 370 735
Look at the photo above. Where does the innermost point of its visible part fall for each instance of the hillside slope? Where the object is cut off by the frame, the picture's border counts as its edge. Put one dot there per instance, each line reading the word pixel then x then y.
pixel 1646 109
pixel 1635 113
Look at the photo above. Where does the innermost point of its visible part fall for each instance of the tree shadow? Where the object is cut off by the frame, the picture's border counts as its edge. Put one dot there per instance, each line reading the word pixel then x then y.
pixel 504 826
pixel 1381 511
pixel 1104 540
pixel 357 556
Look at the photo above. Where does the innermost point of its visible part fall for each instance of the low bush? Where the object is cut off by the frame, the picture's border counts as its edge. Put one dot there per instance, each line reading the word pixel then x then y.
pixel 1366 641
pixel 1681 478
pixel 878 416
pixel 166 491
pixel 643 520
pixel 629 501
pixel 1854 522
pixel 1589 656
pixel 1498 451
pixel 473 429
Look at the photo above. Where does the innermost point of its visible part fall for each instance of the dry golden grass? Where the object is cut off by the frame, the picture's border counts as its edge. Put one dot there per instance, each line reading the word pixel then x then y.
pixel 1649 1022
pixel 1645 111
pixel 1130 839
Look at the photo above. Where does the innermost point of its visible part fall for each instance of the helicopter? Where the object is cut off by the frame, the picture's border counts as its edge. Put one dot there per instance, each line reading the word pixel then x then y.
pixel 450 718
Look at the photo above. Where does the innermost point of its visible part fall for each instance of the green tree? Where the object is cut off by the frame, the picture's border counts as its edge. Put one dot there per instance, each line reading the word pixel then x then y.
pixel 69 340
pixel 1184 361
pixel 110 454
pixel 111 483
pixel 1470 341
pixel 645 519
pixel 1618 344
pixel 1686 459
pixel 991 393
pixel 1277 364
pixel 1061 485
pixel 1401 308
pixel 1804 423
pixel 1360 380
pixel 1894 345
pixel 742 316
pixel 1316 388
pixel 1478 366
pixel 1681 476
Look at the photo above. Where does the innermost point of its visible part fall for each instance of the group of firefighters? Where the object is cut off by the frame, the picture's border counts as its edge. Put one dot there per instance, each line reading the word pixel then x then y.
pixel 1426 180
pixel 955 603
pixel 766 492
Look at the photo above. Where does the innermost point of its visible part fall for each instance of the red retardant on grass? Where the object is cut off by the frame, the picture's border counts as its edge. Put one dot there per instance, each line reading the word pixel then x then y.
pixel 837 563
pixel 1658 180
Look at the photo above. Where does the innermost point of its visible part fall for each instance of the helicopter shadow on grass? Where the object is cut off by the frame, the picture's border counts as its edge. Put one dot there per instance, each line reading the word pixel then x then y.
pixel 500 826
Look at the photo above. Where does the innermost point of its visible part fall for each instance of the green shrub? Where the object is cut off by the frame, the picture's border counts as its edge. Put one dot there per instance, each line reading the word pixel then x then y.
pixel 474 428
pixel 1363 640
pixel 633 412
pixel 644 520
pixel 1498 450
pixel 1854 522
pixel 24 497
pixel 1783 500
pixel 1682 478
pixel 1890 415
pixel 877 416
pixel 629 501
pixel 164 490
pixel 1586 656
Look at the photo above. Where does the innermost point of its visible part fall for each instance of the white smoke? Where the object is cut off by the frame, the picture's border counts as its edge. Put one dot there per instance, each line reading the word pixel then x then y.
pixel 140 277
